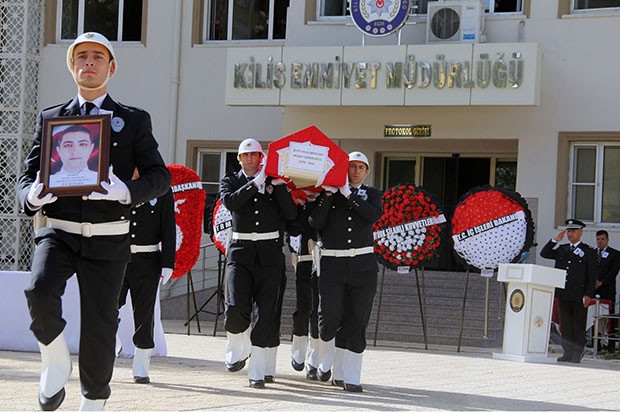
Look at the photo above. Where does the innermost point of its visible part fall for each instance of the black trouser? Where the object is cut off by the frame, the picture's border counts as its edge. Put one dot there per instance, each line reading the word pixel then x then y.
pixel 346 299
pixel 306 311
pixel 99 285
pixel 255 286
pixel 142 285
pixel 275 341
pixel 573 321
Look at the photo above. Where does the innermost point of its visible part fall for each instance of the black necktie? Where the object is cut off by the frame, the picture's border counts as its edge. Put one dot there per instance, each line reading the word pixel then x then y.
pixel 88 107
pixel 599 256
pixel 572 248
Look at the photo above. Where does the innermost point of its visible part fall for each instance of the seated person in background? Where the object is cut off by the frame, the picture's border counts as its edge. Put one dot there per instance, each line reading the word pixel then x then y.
pixel 75 146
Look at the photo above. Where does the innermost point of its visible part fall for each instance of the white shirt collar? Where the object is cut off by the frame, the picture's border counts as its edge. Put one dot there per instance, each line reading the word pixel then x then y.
pixel 98 101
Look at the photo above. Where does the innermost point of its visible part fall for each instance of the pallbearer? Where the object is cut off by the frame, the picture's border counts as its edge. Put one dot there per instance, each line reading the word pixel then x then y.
pixel 344 218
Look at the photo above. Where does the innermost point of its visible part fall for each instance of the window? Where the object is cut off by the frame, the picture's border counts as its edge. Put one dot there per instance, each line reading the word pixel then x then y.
pixel 594 179
pixel 339 8
pixel 118 20
pixel 595 4
pixel 245 19
pixel 503 6
pixel 213 165
pixel 333 8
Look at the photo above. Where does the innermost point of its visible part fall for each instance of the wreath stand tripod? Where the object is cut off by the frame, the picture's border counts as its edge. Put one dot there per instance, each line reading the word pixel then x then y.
pixel 218 294
pixel 421 299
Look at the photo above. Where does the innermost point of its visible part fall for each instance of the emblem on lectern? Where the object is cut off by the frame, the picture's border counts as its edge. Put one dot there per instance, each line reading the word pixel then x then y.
pixel 538 321
pixel 517 300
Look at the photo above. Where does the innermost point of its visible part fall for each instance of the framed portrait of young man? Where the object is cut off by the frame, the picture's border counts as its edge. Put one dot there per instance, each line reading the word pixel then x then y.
pixel 75 154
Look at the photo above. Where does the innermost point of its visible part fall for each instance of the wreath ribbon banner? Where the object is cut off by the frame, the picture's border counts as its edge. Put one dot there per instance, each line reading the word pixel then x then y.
pixel 489 225
pixel 409 227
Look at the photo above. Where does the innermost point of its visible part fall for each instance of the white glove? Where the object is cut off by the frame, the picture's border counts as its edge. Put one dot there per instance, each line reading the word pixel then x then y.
pixel 117 190
pixel 33 195
pixel 166 273
pixel 345 189
pixel 278 181
pixel 259 179
pixel 331 189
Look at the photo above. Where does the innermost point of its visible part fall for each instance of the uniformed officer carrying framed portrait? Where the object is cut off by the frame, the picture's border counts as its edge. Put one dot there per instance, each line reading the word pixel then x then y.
pixel 75 154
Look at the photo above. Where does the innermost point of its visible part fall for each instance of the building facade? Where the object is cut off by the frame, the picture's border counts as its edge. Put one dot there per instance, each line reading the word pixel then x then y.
pixel 530 103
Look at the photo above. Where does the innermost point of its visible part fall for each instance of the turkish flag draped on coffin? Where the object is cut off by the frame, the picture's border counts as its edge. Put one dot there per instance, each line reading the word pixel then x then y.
pixel 309 159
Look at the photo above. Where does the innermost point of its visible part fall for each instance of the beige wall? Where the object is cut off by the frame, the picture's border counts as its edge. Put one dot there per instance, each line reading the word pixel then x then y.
pixel 579 93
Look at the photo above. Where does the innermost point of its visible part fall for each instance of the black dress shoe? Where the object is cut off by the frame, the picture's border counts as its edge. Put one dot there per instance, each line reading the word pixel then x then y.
pixel 270 379
pixel 353 388
pixel 311 373
pixel 236 366
pixel 576 358
pixel 339 383
pixel 565 357
pixel 49 404
pixel 257 384
pixel 141 380
pixel 297 366
pixel 323 376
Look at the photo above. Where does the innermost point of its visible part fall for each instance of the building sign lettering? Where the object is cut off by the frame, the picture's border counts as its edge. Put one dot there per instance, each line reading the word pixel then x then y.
pixel 471 74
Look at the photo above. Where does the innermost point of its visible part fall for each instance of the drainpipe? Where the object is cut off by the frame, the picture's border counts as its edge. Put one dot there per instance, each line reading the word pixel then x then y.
pixel 175 81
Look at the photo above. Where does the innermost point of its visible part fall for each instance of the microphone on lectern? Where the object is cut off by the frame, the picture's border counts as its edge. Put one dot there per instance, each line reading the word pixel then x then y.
pixel 524 256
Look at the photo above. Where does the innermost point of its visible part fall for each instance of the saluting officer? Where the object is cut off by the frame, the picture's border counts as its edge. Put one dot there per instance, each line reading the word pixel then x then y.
pixel 153 247
pixel 579 261
pixel 304 346
pixel 344 218
pixel 258 205
pixel 87 235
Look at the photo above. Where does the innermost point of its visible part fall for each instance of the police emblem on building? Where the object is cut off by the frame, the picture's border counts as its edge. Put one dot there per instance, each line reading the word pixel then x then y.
pixel 379 17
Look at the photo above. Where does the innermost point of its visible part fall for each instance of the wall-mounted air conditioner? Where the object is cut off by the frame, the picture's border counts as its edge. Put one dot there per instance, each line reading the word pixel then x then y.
pixel 455 21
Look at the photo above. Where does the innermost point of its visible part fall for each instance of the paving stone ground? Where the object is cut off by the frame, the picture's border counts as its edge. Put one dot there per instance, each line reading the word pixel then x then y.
pixel 192 378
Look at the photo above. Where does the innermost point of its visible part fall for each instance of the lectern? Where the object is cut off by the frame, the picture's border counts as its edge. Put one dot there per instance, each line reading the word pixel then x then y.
pixel 529 304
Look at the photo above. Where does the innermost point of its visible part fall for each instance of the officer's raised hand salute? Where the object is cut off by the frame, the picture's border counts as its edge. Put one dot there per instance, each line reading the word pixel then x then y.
pixel 579 262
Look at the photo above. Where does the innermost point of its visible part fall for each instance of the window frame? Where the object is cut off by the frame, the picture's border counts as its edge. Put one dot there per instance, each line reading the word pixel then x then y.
pixel 564 196
pixel 195 148
pixel 601 10
pixel 597 185
pixel 205 7
pixel 53 23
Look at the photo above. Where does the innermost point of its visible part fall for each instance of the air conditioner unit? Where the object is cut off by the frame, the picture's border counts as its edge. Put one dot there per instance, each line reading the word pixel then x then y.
pixel 455 21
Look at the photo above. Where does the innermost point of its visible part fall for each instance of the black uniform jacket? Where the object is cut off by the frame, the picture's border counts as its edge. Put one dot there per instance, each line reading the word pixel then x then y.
pixel 301 226
pixel 151 223
pixel 132 146
pixel 255 212
pixel 347 223
pixel 607 272
pixel 580 267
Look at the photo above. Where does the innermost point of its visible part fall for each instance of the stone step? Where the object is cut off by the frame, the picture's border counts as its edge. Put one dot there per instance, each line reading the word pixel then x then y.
pixel 400 321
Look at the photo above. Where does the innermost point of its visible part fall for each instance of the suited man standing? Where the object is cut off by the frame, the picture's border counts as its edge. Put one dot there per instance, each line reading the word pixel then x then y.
pixel 344 218
pixel 259 206
pixel 579 261
pixel 608 260
pixel 87 235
